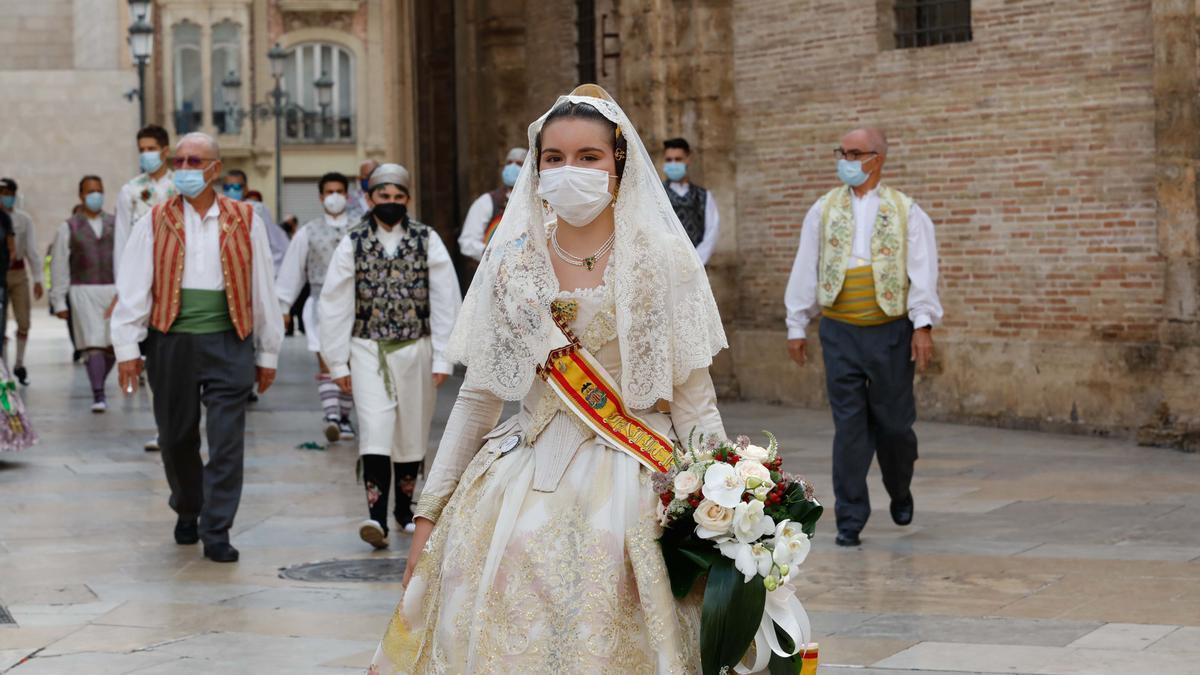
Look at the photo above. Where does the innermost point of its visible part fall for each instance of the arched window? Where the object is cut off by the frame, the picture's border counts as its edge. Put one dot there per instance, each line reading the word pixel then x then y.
pixel 305 65
pixel 189 80
pixel 226 58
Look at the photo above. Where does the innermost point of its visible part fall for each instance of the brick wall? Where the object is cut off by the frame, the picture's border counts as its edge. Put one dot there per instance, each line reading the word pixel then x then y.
pixel 1032 148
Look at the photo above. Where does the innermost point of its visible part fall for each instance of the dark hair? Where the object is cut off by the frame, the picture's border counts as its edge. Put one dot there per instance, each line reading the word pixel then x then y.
pixel 587 111
pixel 240 174
pixel 253 194
pixel 90 177
pixel 156 132
pixel 9 183
pixel 333 177
pixel 678 143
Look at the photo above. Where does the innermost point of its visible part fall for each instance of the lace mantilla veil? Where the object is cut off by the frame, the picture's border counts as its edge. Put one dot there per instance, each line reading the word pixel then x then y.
pixel 667 319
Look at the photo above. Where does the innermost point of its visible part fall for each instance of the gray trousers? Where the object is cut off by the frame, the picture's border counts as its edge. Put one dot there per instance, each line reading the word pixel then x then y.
pixel 184 371
pixel 869 378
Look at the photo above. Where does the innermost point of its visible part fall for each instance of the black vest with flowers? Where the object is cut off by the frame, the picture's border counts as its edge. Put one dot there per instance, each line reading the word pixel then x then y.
pixel 691 209
pixel 391 293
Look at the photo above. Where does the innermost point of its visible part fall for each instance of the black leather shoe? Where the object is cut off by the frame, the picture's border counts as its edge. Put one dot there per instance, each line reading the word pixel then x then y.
pixel 186 531
pixel 902 511
pixel 22 375
pixel 223 552
pixel 848 539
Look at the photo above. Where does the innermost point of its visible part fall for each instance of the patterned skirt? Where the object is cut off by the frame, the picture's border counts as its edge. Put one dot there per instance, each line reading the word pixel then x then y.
pixel 515 580
pixel 16 433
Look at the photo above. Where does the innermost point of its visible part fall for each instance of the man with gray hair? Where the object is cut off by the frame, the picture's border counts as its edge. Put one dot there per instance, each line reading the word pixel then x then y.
pixel 485 213
pixel 197 284
pixel 388 303
pixel 867 263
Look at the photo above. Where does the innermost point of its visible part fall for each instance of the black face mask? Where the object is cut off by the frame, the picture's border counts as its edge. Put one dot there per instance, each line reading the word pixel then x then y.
pixel 390 213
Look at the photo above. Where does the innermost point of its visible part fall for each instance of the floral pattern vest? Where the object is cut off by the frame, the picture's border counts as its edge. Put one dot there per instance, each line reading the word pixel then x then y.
pixel 889 248
pixel 391 293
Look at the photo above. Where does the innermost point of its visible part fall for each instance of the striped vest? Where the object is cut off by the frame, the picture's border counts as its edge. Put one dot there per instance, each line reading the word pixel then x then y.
pixel 889 249
pixel 236 262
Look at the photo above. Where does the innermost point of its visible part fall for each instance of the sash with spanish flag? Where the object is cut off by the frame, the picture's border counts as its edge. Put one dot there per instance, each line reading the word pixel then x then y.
pixel 592 394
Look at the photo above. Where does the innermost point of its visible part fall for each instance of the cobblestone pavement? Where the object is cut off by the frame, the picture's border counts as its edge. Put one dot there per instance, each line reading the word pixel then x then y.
pixel 1030 553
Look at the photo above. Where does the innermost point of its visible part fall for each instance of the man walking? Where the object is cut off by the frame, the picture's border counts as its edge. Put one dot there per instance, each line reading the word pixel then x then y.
pixel 695 206
pixel 867 263
pixel 306 261
pixel 486 211
pixel 237 187
pixel 25 261
pixel 388 303
pixel 81 269
pixel 198 270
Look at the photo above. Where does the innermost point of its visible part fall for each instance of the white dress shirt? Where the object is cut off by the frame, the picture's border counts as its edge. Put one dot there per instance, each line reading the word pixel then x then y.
pixel 26 242
pixel 924 308
pixel 337 305
pixel 479 216
pixel 712 221
pixel 202 270
pixel 293 273
pixel 60 262
pixel 131 207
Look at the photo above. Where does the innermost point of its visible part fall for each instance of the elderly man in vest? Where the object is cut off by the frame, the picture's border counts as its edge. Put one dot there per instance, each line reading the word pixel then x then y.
pixel 387 306
pixel 198 270
pixel 81 268
pixel 486 211
pixel 306 261
pixel 867 264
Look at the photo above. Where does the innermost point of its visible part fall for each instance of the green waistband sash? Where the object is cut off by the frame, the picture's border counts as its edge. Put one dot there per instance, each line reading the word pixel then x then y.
pixel 202 312
pixel 386 349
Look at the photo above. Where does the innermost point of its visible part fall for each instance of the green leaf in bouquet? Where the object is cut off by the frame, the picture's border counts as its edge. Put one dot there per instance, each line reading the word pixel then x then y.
pixel 807 513
pixel 731 616
pixel 683 569
pixel 785 665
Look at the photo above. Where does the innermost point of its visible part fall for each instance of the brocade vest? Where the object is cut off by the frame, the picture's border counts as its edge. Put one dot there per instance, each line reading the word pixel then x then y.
pixel 91 257
pixel 889 248
pixel 323 240
pixel 391 294
pixel 237 262
pixel 690 208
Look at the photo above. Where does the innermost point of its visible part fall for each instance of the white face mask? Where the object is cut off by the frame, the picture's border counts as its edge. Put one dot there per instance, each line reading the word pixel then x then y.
pixel 335 203
pixel 577 195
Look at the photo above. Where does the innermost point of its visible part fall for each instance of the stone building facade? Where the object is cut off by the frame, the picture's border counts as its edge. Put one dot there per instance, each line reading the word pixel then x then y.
pixel 1055 148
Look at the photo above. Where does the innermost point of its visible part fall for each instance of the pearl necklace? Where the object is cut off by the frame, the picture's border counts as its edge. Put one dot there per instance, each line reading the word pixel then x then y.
pixel 572 259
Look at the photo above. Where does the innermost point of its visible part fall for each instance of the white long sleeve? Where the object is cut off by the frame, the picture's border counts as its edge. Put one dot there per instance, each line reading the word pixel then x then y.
pixel 202 270
pixel 924 307
pixel 60 268
pixel 445 299
pixel 712 229
pixel 337 305
pixel 292 272
pixel 27 245
pixel 123 225
pixel 336 310
pixel 470 240
pixel 694 407
pixel 475 413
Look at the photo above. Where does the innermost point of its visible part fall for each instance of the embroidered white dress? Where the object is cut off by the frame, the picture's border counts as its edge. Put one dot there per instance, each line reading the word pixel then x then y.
pixel 544 558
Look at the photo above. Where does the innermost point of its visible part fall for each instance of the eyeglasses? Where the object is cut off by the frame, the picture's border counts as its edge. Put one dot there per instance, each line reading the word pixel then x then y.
pixel 852 155
pixel 191 162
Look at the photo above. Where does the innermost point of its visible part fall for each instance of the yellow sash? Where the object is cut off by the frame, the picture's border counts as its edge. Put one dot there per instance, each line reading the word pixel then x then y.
pixel 584 386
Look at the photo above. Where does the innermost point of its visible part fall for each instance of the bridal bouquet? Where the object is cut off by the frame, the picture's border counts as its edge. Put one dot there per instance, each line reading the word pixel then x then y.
pixel 729 511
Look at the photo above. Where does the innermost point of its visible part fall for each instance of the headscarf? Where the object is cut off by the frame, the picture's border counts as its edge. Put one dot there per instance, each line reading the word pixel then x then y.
pixel 667 319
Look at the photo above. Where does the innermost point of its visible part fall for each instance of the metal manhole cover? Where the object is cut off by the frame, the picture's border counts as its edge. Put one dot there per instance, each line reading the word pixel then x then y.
pixel 387 570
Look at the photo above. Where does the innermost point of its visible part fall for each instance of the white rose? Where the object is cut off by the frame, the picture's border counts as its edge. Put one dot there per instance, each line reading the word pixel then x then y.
pixel 712 520
pixel 748 469
pixel 686 483
pixel 755 453
pixel 750 522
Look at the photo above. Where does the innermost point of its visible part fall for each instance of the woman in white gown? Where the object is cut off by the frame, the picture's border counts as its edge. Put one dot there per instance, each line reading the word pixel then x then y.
pixel 544 557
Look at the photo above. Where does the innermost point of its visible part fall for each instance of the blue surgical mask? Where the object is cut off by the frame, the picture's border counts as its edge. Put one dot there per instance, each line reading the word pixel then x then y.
pixel 190 182
pixel 851 173
pixel 510 173
pixel 150 161
pixel 364 182
pixel 94 201
pixel 234 191
pixel 675 171
pixel 8 201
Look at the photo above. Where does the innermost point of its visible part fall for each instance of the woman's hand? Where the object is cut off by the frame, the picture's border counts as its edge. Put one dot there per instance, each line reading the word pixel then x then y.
pixel 419 538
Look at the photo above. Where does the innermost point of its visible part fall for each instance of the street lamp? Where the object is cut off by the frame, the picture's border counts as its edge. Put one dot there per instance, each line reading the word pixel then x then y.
pixel 141 43
pixel 278 107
